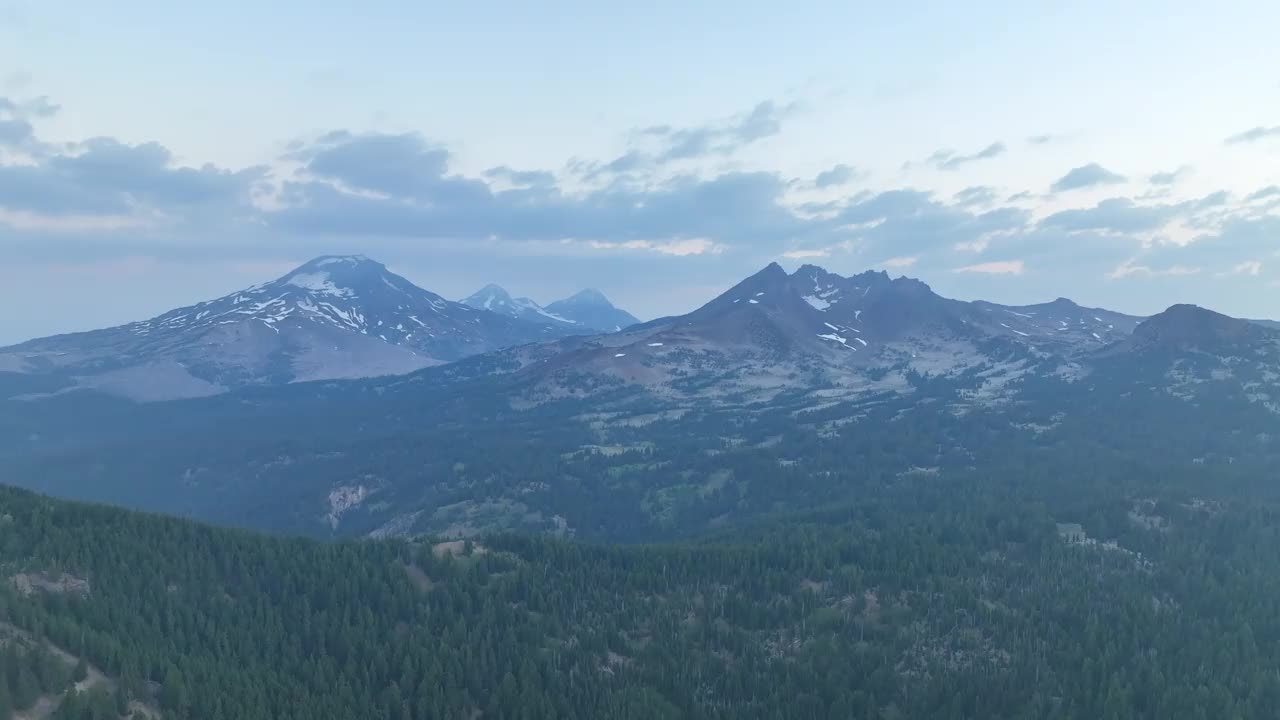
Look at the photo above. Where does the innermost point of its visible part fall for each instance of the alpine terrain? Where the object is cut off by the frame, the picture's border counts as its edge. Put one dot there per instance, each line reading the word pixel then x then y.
pixel 788 391
pixel 586 313
pixel 334 317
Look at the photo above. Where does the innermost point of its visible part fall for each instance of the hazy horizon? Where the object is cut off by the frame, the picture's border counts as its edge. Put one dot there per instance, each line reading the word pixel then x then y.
pixel 1126 158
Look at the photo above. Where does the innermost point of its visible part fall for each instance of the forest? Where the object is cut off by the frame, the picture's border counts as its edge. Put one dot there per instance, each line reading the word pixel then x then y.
pixel 952 597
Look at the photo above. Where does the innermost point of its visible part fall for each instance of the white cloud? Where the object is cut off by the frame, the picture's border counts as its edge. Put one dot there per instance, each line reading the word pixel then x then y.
pixel 1130 268
pixel 1252 268
pixel 1001 267
pixel 802 254
pixel 692 246
pixel 900 262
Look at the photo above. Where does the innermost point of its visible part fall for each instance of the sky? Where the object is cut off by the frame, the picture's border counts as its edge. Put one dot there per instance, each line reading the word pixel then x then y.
pixel 155 154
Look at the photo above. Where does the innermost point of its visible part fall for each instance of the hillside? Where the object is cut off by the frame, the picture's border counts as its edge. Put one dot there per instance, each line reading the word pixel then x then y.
pixel 938 600
pixel 746 406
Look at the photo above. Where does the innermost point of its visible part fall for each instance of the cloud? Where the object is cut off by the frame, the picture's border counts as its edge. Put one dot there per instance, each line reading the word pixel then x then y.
pixel 16 129
pixel 1086 176
pixel 527 178
pixel 1234 242
pixel 900 262
pixel 1043 139
pixel 978 195
pixel 1002 267
pixel 393 193
pixel 399 186
pixel 658 145
pixel 1130 268
pixel 16 80
pixel 903 222
pixel 1254 135
pixel 1251 268
pixel 803 254
pixel 1169 178
pixel 838 175
pixel 1264 193
pixel 949 160
pixel 679 248
pixel 402 186
pixel 1114 215
pixel 403 166
pixel 103 176
pixel 16 133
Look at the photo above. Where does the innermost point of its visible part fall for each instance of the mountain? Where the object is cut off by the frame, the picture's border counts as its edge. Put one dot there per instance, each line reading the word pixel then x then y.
pixel 334 317
pixel 995 596
pixel 788 391
pixel 586 313
pixel 592 309
pixel 495 299
pixel 1195 328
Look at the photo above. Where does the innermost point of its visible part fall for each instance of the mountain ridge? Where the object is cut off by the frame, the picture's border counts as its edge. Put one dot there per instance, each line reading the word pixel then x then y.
pixel 584 313
pixel 332 317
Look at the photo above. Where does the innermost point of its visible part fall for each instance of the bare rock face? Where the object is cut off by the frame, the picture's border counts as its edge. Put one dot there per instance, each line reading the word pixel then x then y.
pixel 28 584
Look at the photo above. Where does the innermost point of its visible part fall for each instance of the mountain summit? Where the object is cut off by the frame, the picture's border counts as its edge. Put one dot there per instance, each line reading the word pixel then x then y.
pixel 1191 326
pixel 496 299
pixel 585 313
pixel 341 316
pixel 592 309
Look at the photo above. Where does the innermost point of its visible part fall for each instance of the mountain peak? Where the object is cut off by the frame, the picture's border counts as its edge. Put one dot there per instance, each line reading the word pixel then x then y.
pixel 588 296
pixel 590 308
pixel 491 297
pixel 1190 325
pixel 772 270
pixel 338 262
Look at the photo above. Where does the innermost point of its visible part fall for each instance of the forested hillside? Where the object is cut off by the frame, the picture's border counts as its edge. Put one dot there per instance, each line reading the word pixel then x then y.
pixel 939 598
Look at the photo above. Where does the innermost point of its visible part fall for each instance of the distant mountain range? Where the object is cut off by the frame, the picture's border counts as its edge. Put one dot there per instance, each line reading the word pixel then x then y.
pixel 334 317
pixel 586 313
pixel 787 391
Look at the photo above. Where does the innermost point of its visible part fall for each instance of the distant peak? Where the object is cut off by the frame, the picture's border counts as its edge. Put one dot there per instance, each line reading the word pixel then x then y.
pixel 771 272
pixel 1189 325
pixel 588 296
pixel 337 261
pixel 491 290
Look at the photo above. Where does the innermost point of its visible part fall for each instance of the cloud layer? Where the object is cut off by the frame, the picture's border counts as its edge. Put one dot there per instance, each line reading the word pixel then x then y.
pixel 1087 176
pixel 666 196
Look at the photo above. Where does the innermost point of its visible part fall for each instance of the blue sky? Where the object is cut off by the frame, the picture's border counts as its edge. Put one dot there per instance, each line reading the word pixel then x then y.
pixel 153 154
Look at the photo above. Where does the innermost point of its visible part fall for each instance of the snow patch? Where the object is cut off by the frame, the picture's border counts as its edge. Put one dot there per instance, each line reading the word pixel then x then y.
pixel 817 302
pixel 318 283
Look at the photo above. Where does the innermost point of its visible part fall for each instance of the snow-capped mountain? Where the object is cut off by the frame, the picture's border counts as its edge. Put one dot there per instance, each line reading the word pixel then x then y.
pixel 843 327
pixel 901 306
pixel 334 317
pixel 592 309
pixel 495 299
pixel 586 313
pixel 779 364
